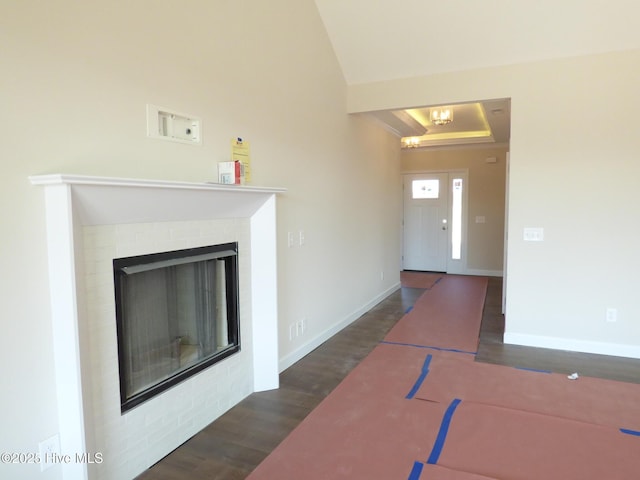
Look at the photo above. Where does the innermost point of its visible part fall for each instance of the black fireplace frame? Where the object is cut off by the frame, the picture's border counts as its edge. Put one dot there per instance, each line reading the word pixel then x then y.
pixel 233 317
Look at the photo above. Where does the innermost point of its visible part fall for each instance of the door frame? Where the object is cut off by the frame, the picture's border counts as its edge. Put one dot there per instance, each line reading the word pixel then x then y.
pixel 506 233
pixel 453 266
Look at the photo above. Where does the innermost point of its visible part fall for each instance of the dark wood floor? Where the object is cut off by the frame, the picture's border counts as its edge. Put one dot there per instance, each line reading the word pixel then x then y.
pixel 233 445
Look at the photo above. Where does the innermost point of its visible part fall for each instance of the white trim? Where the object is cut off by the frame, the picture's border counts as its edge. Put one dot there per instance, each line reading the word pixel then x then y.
pixel 62 178
pixel 572 345
pixel 308 347
pixel 461 146
pixel 444 170
pixel 112 201
pixel 66 329
pixel 264 297
pixel 484 273
pixel 505 255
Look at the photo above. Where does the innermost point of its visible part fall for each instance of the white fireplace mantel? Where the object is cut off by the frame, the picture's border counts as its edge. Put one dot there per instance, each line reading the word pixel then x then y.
pixel 74 201
pixel 107 200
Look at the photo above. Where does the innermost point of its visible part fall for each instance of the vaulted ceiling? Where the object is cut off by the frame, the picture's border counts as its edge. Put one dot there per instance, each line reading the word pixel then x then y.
pixel 378 40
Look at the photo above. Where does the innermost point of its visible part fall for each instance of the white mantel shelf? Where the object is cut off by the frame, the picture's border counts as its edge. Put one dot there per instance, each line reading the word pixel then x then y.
pixel 73 201
pixel 109 200
pixel 61 178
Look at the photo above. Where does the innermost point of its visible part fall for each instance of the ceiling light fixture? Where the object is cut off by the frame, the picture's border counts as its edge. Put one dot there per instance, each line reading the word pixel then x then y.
pixel 441 115
pixel 411 142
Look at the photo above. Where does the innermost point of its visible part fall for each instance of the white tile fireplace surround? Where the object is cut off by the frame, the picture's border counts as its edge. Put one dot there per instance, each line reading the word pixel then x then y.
pixel 90 221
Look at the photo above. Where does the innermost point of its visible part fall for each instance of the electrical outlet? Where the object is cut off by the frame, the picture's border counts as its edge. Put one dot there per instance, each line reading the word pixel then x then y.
pixel 292 331
pixel 290 239
pixel 612 315
pixel 301 237
pixel 49 450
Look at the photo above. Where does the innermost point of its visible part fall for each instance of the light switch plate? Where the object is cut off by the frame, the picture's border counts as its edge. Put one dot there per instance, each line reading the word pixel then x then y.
pixel 533 234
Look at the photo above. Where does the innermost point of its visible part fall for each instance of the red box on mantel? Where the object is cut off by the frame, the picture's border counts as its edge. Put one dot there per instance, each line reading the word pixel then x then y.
pixel 231 173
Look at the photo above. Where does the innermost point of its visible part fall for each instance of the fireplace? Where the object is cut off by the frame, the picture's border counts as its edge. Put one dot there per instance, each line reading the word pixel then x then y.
pixel 90 222
pixel 176 314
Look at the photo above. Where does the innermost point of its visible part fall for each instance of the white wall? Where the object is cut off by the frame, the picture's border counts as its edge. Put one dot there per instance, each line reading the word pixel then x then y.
pixel 574 171
pixel 77 77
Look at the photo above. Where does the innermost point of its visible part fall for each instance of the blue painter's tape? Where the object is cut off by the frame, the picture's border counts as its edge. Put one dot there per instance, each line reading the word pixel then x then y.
pixel 423 375
pixel 533 370
pixel 408 310
pixel 442 434
pixel 416 471
pixel 630 432
pixel 430 347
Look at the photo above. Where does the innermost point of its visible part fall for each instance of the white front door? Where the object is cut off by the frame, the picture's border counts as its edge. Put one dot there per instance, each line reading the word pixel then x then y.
pixel 426 208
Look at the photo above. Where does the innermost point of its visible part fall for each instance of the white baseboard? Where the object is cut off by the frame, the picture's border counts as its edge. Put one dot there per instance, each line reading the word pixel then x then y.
pixel 483 273
pixel 572 345
pixel 315 342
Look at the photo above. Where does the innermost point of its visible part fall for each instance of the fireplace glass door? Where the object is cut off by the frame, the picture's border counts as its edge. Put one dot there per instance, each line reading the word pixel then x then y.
pixel 176 314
